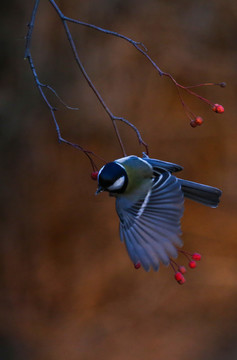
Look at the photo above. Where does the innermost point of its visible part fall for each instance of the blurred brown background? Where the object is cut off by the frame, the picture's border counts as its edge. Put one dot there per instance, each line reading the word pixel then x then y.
pixel 68 288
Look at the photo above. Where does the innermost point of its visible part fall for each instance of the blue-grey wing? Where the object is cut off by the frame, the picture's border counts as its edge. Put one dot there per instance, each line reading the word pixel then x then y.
pixel 151 226
pixel 160 166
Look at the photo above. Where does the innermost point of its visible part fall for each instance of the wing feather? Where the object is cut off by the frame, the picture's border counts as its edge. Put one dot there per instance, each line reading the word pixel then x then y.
pixel 146 246
pixel 140 252
pixel 150 236
pixel 151 226
pixel 160 165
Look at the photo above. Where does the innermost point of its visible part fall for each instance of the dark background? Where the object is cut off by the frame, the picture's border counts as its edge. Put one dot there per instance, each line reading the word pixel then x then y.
pixel 68 288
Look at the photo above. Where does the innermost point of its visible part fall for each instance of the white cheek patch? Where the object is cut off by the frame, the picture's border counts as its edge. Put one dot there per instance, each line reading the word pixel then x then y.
pixel 118 184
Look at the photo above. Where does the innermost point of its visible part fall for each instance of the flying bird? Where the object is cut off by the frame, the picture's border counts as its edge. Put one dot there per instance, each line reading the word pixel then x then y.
pixel 150 205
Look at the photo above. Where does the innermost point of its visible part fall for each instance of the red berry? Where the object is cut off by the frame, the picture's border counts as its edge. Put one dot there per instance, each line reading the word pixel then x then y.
pixel 137 265
pixel 178 276
pixel 193 123
pixel 198 120
pixel 218 108
pixel 196 256
pixel 182 281
pixel 94 175
pixel 192 264
pixel 182 269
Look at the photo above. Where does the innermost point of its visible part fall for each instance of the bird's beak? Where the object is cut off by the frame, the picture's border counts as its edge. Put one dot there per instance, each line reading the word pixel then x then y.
pixel 99 190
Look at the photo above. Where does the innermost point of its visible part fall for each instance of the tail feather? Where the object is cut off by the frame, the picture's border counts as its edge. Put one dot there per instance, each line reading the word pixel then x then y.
pixel 204 194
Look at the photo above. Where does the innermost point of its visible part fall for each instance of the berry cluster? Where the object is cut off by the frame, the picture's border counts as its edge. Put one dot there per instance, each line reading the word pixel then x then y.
pixel 219 109
pixel 198 120
pixel 180 269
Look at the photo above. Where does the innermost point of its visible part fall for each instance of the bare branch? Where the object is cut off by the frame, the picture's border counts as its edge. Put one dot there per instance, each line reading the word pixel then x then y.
pixel 143 50
pixel 30 28
pixel 39 85
pixel 139 46
pixel 90 83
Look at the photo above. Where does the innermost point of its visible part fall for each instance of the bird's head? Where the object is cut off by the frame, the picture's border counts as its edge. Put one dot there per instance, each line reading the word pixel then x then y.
pixel 113 178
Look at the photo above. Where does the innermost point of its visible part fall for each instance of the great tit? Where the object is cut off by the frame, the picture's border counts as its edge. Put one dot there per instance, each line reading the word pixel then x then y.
pixel 150 204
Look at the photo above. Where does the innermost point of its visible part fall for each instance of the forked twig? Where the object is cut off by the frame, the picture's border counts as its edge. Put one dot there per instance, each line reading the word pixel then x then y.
pixel 138 45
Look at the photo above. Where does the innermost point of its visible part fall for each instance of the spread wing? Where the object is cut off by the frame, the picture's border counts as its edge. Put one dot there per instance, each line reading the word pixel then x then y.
pixel 151 226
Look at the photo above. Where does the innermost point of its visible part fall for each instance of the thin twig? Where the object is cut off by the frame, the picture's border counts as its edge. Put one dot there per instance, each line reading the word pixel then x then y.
pixel 57 96
pixel 39 85
pixel 141 141
pixel 85 74
pixel 90 83
pixel 139 47
pixel 143 50
pixel 64 20
pixel 30 28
